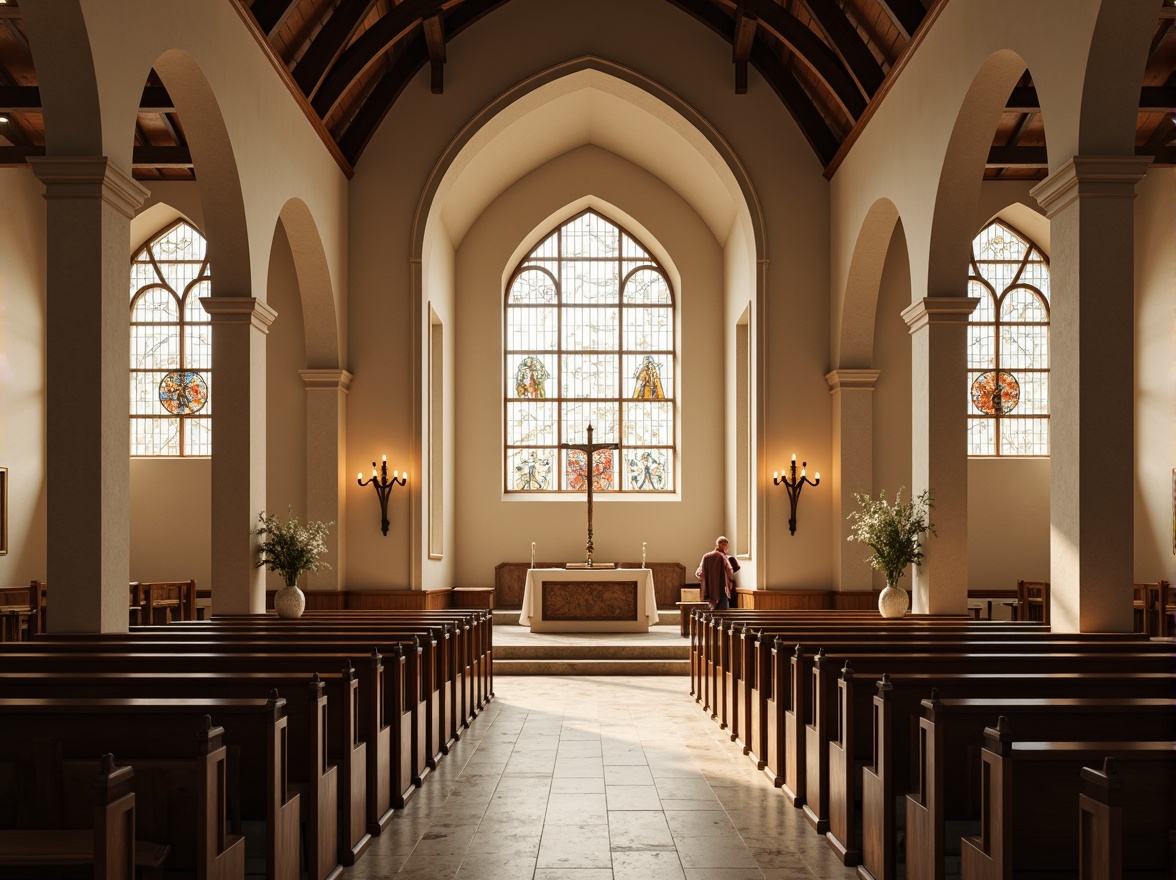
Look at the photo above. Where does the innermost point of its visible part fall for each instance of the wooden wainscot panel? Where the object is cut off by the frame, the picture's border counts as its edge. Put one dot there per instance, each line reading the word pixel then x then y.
pixel 399 600
pixel 473 597
pixel 856 600
pixel 777 600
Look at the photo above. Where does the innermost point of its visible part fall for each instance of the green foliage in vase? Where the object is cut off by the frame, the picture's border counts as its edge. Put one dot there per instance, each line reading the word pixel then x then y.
pixel 892 530
pixel 291 548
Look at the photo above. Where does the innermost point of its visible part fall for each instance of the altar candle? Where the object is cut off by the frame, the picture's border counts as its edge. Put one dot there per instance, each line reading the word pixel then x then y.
pixel 643 554
pixel 532 554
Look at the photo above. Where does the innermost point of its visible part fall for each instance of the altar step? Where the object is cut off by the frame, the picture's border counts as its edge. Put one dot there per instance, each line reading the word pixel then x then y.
pixel 510 616
pixel 661 651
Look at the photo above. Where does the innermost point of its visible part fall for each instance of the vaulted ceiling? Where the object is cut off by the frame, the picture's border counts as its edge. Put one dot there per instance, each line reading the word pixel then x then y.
pixel 347 61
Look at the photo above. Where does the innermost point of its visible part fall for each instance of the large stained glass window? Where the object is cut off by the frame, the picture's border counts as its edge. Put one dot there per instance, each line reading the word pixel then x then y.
pixel 171 346
pixel 589 340
pixel 1008 345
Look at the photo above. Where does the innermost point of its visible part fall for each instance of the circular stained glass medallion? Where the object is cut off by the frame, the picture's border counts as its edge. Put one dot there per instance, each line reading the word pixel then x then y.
pixel 996 393
pixel 182 393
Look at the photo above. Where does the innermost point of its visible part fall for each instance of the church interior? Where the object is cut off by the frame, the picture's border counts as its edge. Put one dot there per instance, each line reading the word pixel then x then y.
pixel 747 264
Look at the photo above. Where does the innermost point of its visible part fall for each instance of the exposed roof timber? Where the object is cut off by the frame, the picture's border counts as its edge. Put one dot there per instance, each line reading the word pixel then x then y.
pixel 27 99
pixel 10 12
pixel 435 42
pixel 412 57
pixel 329 42
pixel 1152 99
pixel 368 47
pixel 907 15
pixel 1037 157
pixel 1163 134
pixel 741 45
pixel 1165 25
pixel 809 50
pixel 1021 128
pixel 15 33
pixel 271 14
pixel 146 156
pixel 848 44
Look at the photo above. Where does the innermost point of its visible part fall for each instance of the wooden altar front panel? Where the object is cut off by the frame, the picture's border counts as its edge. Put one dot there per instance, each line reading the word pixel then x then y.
pixel 510 578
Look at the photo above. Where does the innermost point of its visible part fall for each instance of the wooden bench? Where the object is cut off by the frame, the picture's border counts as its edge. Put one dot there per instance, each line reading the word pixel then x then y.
pixel 1030 815
pixel 185 774
pixel 110 846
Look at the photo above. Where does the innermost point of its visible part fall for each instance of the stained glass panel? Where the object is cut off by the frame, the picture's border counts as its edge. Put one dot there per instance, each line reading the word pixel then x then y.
pixel 575 356
pixel 1008 353
pixel 170 346
pixel 603 472
pixel 531 424
pixel 530 470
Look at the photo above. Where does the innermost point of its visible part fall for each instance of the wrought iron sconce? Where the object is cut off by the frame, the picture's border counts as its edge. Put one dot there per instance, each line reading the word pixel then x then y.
pixel 384 487
pixel 794 485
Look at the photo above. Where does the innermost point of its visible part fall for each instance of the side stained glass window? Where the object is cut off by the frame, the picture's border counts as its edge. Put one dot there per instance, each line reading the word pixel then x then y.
pixel 589 340
pixel 171 346
pixel 1008 345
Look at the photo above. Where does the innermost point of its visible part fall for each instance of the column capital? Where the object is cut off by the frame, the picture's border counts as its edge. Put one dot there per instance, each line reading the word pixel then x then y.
pixel 79 177
pixel 852 380
pixel 939 310
pixel 239 310
pixel 1098 177
pixel 330 380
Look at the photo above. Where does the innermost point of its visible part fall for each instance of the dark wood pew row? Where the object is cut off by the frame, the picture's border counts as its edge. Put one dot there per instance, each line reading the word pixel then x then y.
pixel 188 787
pixel 1031 796
pixel 326 758
pixel 109 847
pixel 947 786
pixel 384 717
pixel 808 720
pixel 873 752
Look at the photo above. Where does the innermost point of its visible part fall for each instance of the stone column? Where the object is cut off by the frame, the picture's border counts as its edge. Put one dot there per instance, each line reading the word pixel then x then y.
pixel 240 325
pixel 852 470
pixel 87 401
pixel 326 465
pixel 1090 204
pixel 939 447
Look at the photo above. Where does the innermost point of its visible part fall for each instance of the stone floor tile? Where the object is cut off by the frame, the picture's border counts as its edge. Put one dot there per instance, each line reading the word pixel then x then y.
pixel 576 809
pixel 647 865
pixel 638 830
pixel 727 851
pixel 627 775
pixel 574 846
pixel 632 797
pixel 573 874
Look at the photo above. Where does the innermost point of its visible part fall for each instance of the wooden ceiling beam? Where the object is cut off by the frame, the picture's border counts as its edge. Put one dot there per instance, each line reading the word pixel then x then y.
pixel 1017 157
pixel 809 49
pixel 328 44
pixel 435 42
pixel 368 47
pixel 20 98
pixel 741 43
pixel 1152 99
pixel 812 124
pixel 906 15
pixel 848 44
pixel 271 14
pixel 16 34
pixel 144 156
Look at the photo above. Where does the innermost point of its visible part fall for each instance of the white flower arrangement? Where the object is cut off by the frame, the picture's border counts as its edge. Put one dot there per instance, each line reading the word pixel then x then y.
pixel 892 531
pixel 291 548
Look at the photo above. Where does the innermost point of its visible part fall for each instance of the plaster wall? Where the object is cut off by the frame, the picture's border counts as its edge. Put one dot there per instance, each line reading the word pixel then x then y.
pixel 22 375
pixel 1155 377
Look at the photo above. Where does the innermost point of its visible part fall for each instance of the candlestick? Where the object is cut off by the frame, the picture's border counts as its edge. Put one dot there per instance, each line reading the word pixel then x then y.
pixel 643 554
pixel 532 554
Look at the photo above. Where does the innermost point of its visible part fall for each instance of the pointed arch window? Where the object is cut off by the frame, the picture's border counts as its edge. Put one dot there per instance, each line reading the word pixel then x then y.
pixel 1008 345
pixel 171 346
pixel 589 340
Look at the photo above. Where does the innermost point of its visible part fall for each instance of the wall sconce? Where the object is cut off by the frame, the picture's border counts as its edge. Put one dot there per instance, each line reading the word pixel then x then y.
pixel 384 487
pixel 794 485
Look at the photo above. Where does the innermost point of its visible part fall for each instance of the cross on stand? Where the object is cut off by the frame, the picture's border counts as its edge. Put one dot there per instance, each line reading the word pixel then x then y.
pixel 589 449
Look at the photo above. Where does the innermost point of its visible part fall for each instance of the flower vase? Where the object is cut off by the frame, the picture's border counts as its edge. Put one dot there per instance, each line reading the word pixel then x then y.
pixel 893 601
pixel 290 602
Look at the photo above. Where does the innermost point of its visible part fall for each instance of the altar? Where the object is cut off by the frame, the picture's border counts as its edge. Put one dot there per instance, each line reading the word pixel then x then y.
pixel 589 600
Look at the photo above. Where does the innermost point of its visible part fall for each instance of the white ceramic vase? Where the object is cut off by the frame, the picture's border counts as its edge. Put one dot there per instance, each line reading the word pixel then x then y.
pixel 289 602
pixel 893 601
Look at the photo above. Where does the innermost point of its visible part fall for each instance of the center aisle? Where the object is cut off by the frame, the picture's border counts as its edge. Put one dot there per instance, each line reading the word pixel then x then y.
pixel 570 778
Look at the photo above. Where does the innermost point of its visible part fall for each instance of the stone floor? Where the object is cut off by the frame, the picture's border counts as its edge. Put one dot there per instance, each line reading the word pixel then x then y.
pixel 605 778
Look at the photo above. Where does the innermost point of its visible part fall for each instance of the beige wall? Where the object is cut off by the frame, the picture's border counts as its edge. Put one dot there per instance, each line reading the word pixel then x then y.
pixel 22 374
pixel 1155 376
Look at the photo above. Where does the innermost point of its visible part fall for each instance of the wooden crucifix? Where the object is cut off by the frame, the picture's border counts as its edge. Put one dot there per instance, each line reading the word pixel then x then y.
pixel 589 449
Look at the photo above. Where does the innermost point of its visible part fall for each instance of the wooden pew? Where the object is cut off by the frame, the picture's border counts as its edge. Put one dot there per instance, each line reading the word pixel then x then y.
pixel 322 711
pixel 170 742
pixel 110 846
pixel 880 737
pixel 1030 795
pixel 947 784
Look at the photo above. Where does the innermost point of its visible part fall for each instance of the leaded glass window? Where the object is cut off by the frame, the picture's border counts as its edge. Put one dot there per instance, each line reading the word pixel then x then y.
pixel 171 346
pixel 1008 345
pixel 589 340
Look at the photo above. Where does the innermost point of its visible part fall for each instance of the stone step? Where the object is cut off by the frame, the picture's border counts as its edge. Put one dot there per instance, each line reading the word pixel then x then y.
pixel 632 666
pixel 592 652
pixel 510 616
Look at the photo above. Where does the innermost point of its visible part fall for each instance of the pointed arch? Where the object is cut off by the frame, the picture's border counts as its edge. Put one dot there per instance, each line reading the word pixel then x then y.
pixel 320 319
pixel 854 340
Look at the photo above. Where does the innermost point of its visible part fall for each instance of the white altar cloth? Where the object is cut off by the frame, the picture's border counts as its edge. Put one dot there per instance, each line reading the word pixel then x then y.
pixel 533 604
